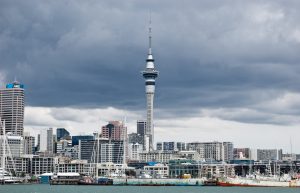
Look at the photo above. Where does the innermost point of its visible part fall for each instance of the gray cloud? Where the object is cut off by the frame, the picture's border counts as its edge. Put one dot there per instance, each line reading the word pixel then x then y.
pixel 210 54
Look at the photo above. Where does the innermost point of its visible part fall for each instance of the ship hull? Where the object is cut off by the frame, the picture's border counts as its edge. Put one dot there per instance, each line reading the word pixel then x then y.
pixel 158 182
pixel 258 183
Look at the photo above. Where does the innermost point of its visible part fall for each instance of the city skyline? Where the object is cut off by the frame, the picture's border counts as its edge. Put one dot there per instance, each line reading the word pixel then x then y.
pixel 228 72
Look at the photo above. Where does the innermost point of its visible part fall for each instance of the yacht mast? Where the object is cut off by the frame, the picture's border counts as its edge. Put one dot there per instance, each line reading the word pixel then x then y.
pixel 3 148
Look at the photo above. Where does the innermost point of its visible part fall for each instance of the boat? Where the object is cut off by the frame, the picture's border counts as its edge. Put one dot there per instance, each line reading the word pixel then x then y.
pixel 7 178
pixel 70 178
pixel 158 181
pixel 210 182
pixel 258 181
pixel 87 180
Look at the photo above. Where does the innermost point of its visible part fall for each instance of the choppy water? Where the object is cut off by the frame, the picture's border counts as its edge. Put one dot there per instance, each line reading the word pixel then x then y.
pixel 137 189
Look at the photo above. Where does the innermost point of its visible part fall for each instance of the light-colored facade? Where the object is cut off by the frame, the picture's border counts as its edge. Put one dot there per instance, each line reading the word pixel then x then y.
pixel 14 145
pixel 157 171
pixel 134 150
pixel 29 143
pixel 156 156
pixel 220 151
pixel 266 154
pixel 46 140
pixel 112 152
pixel 12 108
pixel 40 165
pixel 77 166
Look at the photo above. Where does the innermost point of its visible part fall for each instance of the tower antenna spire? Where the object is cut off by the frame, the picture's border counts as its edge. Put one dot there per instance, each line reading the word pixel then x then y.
pixel 150 34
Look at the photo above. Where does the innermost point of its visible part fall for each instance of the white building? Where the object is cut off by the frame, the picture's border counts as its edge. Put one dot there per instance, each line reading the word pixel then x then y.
pixel 14 145
pixel 46 140
pixel 134 149
pixel 12 108
pixel 220 151
pixel 157 156
pixel 157 171
pixel 29 143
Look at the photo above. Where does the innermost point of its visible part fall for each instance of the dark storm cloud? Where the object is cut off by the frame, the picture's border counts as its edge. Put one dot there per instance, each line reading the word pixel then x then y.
pixel 210 54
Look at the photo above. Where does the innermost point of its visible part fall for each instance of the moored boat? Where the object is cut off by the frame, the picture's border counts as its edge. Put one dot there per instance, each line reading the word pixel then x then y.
pixel 258 182
pixel 159 182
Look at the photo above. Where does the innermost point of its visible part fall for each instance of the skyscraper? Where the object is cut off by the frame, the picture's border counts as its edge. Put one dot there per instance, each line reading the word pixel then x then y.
pixel 141 127
pixel 114 130
pixel 149 75
pixel 46 140
pixel 12 107
pixel 62 133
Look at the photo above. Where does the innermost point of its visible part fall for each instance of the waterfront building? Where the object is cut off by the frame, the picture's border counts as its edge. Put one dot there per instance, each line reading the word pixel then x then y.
pixel 62 133
pixel 19 165
pixel 181 167
pixel 113 170
pixel 12 108
pixel 114 130
pixel 149 74
pixel 46 141
pixel 14 145
pixel 157 170
pixel 41 165
pixel 68 166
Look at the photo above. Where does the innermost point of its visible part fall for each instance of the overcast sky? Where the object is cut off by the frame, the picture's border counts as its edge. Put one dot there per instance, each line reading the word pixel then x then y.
pixel 229 70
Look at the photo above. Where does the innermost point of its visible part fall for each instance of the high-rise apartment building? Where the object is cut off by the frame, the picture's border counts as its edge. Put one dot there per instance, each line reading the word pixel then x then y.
pixel 46 141
pixel 114 130
pixel 220 151
pixel 29 143
pixel 101 150
pixel 266 154
pixel 12 108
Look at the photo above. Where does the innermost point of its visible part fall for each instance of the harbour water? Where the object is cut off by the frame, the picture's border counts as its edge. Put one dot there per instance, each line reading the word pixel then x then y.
pixel 137 189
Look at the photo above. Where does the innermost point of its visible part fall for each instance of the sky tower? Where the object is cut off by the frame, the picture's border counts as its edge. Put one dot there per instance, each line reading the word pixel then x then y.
pixel 149 74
